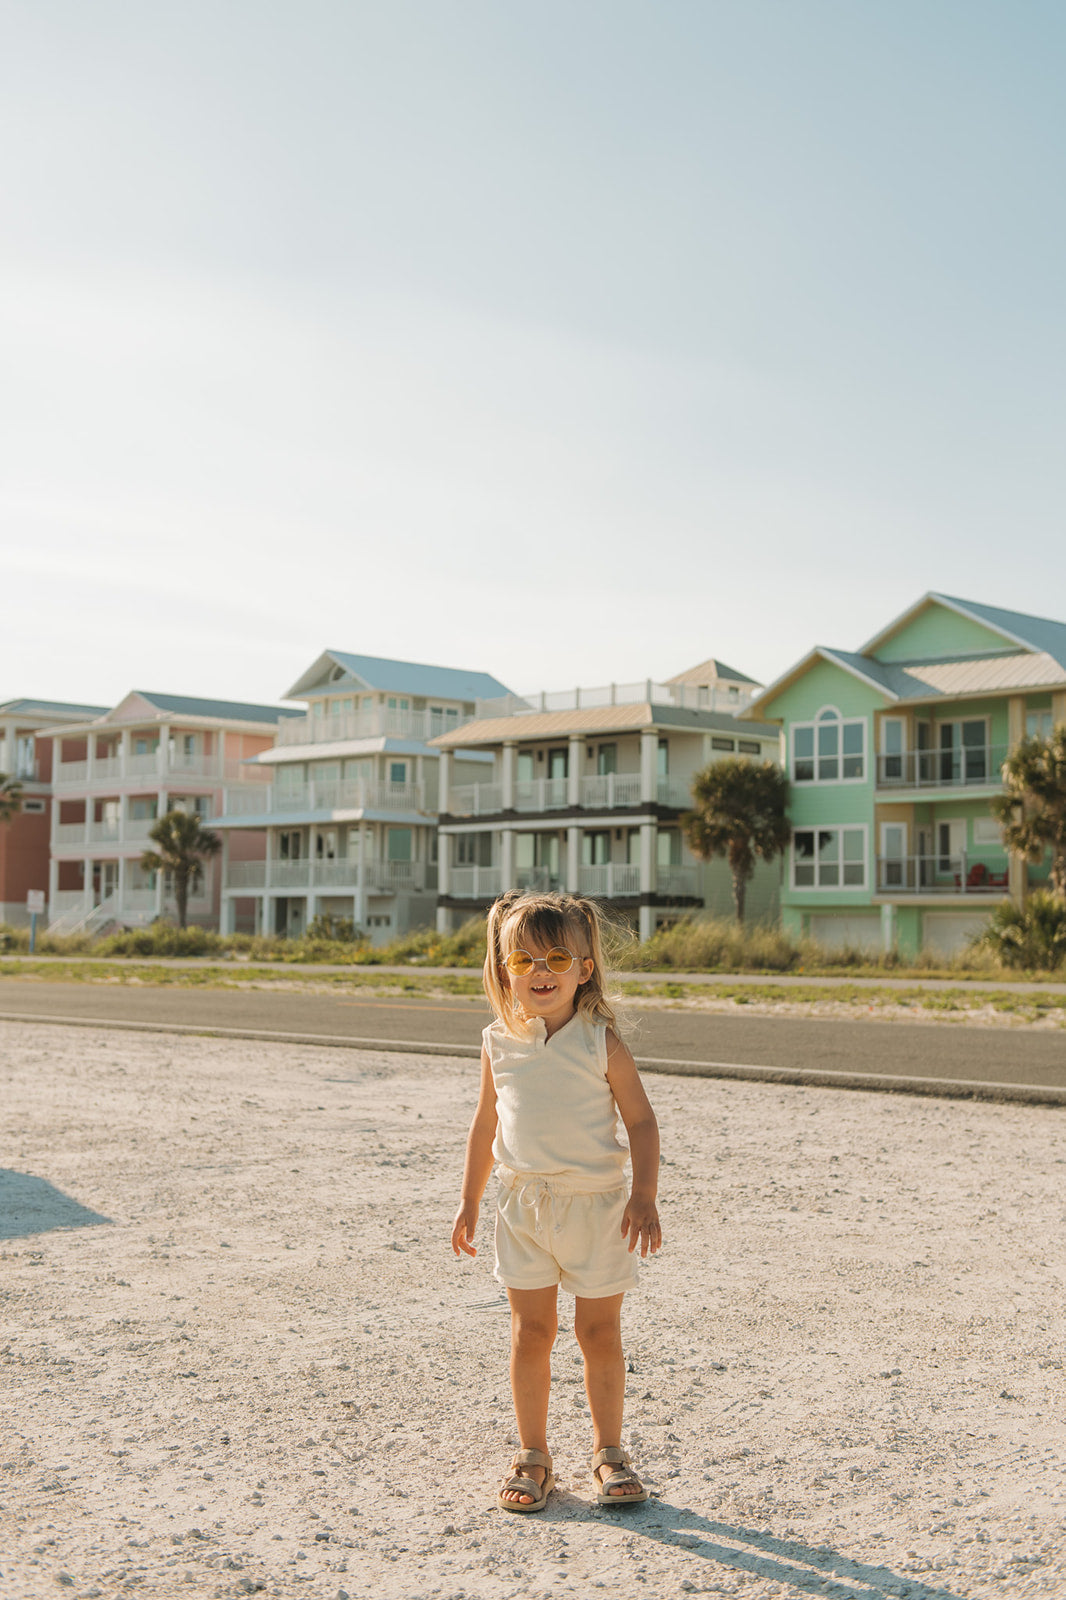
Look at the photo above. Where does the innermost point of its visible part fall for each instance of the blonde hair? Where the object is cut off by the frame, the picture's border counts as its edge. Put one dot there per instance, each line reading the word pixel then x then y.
pixel 547 919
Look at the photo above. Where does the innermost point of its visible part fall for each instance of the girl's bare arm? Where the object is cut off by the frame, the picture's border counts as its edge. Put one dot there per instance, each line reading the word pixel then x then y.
pixel 478 1164
pixel 641 1220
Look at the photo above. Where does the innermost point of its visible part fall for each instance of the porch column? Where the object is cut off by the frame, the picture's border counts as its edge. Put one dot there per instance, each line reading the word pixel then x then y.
pixel 649 766
pixel 573 859
pixel 444 780
pixel 162 755
pixel 87 885
pixel 90 756
pixel 573 769
pixel 360 876
pixel 121 891
pixel 228 914
pixel 506 859
pixel 1058 708
pixel 1015 721
pixel 508 764
pixel 888 928
pixel 224 864
pixel 124 752
pixel 53 883
pixel 648 876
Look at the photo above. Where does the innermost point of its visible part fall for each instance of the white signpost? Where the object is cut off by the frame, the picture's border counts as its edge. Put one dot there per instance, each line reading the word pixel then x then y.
pixel 35 907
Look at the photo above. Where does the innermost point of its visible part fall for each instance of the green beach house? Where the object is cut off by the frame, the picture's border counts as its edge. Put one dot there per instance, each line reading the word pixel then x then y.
pixel 893 753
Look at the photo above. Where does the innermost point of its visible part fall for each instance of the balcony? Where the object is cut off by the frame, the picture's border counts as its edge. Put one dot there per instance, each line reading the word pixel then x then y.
pixel 537 796
pixel 474 883
pixel 156 768
pixel 376 723
pixel 962 874
pixel 134 831
pixel 334 794
pixel 379 877
pixel 968 766
pixel 609 882
pixel 705 697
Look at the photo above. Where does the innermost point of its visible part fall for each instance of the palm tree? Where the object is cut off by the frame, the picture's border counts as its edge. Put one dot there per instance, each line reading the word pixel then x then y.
pixel 10 797
pixel 739 812
pixel 1032 808
pixel 183 848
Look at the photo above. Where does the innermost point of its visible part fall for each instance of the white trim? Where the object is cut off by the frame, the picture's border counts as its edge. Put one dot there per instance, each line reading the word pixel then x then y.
pixel 841 723
pixel 819 653
pixel 960 608
pixel 831 888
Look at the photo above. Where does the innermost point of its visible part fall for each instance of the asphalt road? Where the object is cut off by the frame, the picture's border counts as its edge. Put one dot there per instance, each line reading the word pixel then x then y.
pixel 935 1057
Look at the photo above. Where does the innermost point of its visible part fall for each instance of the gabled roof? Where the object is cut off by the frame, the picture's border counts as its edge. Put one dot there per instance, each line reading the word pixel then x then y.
pixel 1039 634
pixel 49 708
pixel 399 677
pixel 712 671
pixel 869 672
pixel 225 710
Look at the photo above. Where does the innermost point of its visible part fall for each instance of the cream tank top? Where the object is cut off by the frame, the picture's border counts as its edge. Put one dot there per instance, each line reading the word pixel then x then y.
pixel 557 1115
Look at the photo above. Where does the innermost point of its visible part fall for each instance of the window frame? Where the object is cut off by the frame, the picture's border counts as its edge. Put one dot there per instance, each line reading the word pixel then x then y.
pixel 839 828
pixel 826 717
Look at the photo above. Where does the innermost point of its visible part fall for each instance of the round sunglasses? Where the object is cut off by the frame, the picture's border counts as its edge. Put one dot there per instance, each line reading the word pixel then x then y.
pixel 520 963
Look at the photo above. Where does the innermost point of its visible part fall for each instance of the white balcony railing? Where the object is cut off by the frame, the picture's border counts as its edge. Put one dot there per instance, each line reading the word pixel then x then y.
pixel 474 883
pixel 534 796
pixel 375 723
pixel 680 881
pixel 964 766
pixel 610 881
pixel 691 696
pixel 611 790
pixel 961 874
pixel 70 833
pixel 379 877
pixel 328 795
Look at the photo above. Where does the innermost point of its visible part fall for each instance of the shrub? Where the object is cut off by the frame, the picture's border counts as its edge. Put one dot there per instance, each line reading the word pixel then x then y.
pixel 335 930
pixel 161 939
pixel 718 944
pixel 1033 935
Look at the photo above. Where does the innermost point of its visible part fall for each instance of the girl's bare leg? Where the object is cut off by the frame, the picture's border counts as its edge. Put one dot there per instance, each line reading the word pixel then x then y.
pixel 534 1323
pixel 598 1327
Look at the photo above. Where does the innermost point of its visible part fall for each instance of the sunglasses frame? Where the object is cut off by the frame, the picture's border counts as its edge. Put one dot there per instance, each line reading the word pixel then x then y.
pixel 533 960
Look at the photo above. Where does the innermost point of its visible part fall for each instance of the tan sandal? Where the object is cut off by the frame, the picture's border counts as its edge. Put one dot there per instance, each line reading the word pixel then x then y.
pixel 613 1455
pixel 518 1483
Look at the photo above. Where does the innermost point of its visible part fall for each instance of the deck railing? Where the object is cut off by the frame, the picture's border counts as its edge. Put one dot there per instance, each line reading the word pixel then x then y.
pixel 959 874
pixel 958 768
pixel 330 794
pixel 373 724
pixel 379 877
pixel 534 796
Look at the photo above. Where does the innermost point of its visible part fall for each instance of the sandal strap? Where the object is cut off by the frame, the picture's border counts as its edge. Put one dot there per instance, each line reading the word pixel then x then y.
pixel 532 1458
pixel 518 1484
pixel 612 1455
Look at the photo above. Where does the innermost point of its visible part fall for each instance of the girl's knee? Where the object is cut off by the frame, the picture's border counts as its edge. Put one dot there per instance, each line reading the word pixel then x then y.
pixel 533 1333
pixel 599 1333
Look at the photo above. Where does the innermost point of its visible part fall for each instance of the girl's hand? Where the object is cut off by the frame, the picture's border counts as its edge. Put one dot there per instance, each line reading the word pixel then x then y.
pixel 640 1222
pixel 463 1228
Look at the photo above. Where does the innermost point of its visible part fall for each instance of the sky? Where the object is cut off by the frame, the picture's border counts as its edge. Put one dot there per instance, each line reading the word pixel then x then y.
pixel 573 341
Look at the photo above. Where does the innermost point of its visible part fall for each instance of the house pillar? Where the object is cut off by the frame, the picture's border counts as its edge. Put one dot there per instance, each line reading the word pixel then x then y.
pixel 573 859
pixel 1015 721
pixel 90 756
pixel 227 915
pixel 648 875
pixel 53 879
pixel 508 766
pixel 888 928
pixel 360 873
pixel 506 859
pixel 162 755
pixel 1058 708
pixel 444 780
pixel 121 889
pixel 649 766
pixel 573 769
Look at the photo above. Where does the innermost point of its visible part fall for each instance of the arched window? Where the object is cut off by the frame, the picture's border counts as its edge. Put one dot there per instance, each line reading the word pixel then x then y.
pixel 831 749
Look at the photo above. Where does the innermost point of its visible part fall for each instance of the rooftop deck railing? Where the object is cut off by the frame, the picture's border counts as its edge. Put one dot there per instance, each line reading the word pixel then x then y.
pixel 376 723
pixel 693 697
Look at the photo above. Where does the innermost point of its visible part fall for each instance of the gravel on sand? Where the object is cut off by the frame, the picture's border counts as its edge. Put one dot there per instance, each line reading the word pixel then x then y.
pixel 237 1355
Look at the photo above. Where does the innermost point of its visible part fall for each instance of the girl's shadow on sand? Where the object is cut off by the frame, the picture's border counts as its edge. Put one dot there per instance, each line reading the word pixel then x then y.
pixel 815 1567
pixel 30 1205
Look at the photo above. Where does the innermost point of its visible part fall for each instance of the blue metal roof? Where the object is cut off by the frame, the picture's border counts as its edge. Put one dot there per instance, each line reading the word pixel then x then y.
pixel 412 677
pixel 1040 633
pixel 236 710
pixel 49 708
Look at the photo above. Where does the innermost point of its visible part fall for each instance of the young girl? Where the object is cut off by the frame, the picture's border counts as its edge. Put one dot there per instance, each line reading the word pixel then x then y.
pixel 554 1079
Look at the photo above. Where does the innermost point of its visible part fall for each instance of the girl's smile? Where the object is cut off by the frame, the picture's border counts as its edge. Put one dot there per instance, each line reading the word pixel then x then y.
pixel 550 995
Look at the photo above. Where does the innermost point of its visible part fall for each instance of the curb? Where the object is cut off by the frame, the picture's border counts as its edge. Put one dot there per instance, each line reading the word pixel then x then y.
pixel 815 1078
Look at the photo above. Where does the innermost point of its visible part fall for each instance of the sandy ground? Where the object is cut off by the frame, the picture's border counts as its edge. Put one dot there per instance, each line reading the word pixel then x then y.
pixel 236 1354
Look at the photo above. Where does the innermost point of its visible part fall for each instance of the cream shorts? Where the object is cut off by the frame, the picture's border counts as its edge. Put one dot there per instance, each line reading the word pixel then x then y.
pixel 546 1234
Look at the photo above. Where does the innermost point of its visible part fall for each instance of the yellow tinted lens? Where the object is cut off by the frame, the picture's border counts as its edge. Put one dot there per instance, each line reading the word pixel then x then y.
pixel 519 963
pixel 558 960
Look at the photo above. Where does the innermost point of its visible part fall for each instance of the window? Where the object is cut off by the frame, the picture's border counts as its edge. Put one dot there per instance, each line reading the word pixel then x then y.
pixel 188 744
pixel 397 771
pixel 892 748
pixel 596 848
pixel 893 854
pixel 398 703
pixel 326 844
pixel 663 767
pixel 633 847
pixel 290 844
pixel 606 760
pixel 400 844
pixel 1038 724
pixel 473 849
pixel 963 751
pixel 668 847
pixel 34 807
pixel 830 749
pixel 829 858
pixel 986 830
pixel 749 747
pixel 950 844
pixel 724 744
pixel 733 693
pixel 558 764
pixel 524 766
